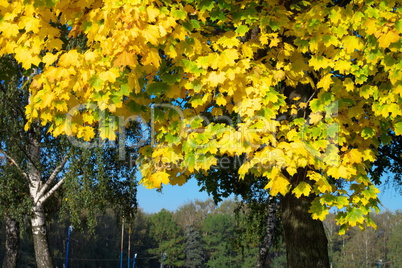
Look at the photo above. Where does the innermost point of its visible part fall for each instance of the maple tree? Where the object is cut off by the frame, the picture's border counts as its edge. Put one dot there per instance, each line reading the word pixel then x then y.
pixel 305 90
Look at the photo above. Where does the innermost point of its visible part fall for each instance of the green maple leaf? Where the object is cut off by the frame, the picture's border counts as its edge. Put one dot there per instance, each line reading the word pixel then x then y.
pixel 354 216
pixel 398 128
pixel 242 30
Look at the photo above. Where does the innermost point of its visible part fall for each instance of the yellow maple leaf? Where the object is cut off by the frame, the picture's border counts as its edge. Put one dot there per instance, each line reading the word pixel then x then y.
pixel 277 182
pixel 273 39
pixel 228 40
pixel 69 58
pixel 321 182
pixel 30 24
pixel 108 132
pixel 152 13
pixel 315 118
pixel 352 43
pixel 109 75
pixel 158 178
pixel 228 57
pixel 386 39
pixel 90 56
pixel 339 172
pixel 9 29
pixel 221 100
pixel 86 132
pixel 47 99
pixel 318 62
pixel 371 25
pixel 354 156
pixel 213 60
pixel 325 82
pixel 151 34
pixel 343 66
pixel 123 59
pixel 171 51
pixel 216 78
pixel 26 57
pixel 54 43
pixel 247 51
pixel 49 58
pixel 349 84
pixel 302 189
pixel 151 57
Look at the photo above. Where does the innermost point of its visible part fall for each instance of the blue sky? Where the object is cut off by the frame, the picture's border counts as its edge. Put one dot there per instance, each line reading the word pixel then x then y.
pixel 173 197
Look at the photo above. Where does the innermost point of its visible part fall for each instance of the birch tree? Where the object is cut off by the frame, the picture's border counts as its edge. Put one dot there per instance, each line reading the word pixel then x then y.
pixel 315 88
pixel 36 165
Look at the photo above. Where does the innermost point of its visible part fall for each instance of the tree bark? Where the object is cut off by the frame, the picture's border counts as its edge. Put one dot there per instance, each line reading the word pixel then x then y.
pixel 38 218
pixel 39 233
pixel 263 259
pixel 12 243
pixel 305 238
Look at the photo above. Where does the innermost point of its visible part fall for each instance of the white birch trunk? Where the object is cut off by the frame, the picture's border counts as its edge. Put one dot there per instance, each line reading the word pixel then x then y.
pixel 38 219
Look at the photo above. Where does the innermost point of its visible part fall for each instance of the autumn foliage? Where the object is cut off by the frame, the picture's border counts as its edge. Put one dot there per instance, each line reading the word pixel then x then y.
pixel 214 79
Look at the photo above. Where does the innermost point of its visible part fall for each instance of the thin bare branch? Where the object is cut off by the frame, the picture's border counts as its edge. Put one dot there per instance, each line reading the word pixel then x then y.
pixel 15 163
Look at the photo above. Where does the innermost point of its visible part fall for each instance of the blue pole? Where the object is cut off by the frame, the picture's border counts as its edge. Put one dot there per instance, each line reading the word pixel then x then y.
pixel 129 244
pixel 121 259
pixel 134 259
pixel 121 245
pixel 163 260
pixel 70 228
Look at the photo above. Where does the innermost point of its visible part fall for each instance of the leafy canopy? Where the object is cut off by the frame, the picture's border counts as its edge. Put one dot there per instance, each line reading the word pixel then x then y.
pixel 185 66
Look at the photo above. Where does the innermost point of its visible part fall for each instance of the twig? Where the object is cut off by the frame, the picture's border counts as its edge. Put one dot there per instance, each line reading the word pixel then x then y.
pixel 15 163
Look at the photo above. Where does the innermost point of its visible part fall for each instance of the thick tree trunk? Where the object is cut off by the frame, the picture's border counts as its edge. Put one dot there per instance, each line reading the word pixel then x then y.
pixel 305 238
pixel 306 242
pixel 12 243
pixel 39 233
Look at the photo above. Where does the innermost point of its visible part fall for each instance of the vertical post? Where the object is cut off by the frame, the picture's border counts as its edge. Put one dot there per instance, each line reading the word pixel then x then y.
pixel 379 263
pixel 128 250
pixel 121 244
pixel 134 259
pixel 163 259
pixel 70 228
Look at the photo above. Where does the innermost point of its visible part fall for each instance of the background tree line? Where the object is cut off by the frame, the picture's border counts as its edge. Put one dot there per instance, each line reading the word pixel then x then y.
pixel 202 234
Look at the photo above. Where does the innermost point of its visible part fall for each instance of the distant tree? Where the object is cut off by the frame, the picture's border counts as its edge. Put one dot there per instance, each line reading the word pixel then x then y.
pixel 193 213
pixel 168 239
pixel 369 247
pixel 394 245
pixel 260 211
pixel 193 248
pixel 218 231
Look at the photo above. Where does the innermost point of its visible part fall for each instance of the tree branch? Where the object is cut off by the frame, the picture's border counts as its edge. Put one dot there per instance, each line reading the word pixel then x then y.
pixel 51 191
pixel 52 176
pixel 15 163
